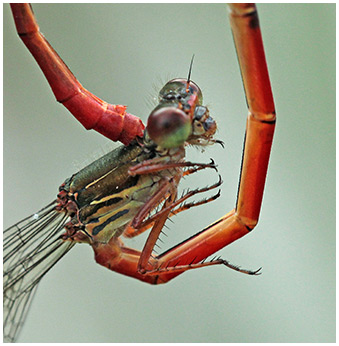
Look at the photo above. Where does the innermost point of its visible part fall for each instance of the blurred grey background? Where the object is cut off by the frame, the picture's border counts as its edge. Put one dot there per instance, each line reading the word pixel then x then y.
pixel 123 53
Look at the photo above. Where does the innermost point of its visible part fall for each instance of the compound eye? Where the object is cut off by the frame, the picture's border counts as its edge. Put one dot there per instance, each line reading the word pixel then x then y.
pixel 169 96
pixel 199 112
pixel 195 89
pixel 169 127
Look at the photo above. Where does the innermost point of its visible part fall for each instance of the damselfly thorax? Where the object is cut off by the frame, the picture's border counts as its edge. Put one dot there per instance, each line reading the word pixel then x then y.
pixel 103 198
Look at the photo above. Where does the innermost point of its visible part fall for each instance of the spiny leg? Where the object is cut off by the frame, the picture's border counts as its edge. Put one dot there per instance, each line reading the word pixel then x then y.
pixel 131 232
pixel 127 261
pixel 145 263
pixel 157 165
pixel 139 224
pixel 138 221
pixel 161 270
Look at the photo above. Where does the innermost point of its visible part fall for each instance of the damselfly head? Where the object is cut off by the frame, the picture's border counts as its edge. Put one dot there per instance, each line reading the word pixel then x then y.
pixel 180 116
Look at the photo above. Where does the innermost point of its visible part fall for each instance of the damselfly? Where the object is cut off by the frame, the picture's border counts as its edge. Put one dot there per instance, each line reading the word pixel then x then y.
pixel 134 188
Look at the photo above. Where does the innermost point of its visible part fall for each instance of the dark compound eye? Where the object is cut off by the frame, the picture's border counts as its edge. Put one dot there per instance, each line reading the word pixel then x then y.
pixel 170 96
pixel 178 86
pixel 199 111
pixel 169 127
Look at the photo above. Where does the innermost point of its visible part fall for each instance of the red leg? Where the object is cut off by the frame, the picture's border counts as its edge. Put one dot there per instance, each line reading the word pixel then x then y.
pixel 145 262
pixel 120 259
pixel 110 120
pixel 130 262
pixel 261 118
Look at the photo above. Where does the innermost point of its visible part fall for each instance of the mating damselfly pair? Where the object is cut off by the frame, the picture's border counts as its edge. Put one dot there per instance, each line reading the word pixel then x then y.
pixel 115 195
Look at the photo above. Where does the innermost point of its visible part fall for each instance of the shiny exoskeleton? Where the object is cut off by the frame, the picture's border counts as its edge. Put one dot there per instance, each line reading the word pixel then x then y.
pixel 96 206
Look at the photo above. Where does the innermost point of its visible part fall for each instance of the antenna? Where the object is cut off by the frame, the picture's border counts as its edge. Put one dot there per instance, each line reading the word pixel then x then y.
pixel 189 74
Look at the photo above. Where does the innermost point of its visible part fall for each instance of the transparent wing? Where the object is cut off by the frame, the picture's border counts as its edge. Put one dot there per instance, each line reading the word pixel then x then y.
pixel 31 248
